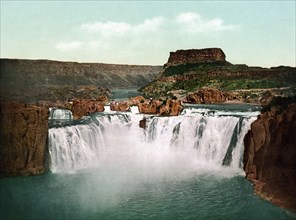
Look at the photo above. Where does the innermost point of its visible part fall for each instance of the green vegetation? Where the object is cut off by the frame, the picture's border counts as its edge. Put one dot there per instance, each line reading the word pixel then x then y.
pixel 237 84
pixel 193 67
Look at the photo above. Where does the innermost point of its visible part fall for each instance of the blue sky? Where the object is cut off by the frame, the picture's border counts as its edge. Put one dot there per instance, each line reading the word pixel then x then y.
pixel 257 33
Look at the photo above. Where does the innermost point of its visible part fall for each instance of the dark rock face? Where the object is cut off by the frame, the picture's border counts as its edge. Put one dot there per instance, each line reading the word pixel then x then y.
pixel 207 96
pixel 196 56
pixel 269 157
pixel 23 139
pixel 82 107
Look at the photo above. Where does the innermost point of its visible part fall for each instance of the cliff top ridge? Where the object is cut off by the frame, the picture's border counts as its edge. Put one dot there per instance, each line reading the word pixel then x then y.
pixel 207 55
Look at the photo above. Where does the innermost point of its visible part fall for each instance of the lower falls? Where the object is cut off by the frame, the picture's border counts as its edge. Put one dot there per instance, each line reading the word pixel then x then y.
pixel 105 166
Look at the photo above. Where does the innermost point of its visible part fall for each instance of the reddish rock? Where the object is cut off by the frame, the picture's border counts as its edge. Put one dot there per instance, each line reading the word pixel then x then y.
pixel 195 56
pixel 169 107
pixel 103 99
pixel 151 107
pixel 207 96
pixel 23 138
pixel 137 100
pixel 269 157
pixel 120 106
pixel 82 107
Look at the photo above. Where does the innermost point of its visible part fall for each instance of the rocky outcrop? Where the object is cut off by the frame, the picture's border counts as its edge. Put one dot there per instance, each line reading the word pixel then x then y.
pixel 82 107
pixel 23 139
pixel 207 55
pixel 167 107
pixel 136 100
pixel 269 157
pixel 207 96
pixel 120 106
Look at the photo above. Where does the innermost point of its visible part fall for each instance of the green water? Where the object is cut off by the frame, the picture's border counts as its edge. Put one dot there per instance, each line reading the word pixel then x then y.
pixel 111 194
pixel 123 94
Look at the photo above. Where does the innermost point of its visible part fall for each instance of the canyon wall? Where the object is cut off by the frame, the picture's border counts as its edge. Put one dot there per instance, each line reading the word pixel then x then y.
pixel 23 139
pixel 269 157
pixel 35 80
pixel 188 71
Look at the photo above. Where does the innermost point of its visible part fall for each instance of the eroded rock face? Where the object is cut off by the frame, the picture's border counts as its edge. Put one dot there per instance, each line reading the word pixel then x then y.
pixel 168 107
pixel 120 106
pixel 207 96
pixel 23 139
pixel 82 107
pixel 136 100
pixel 269 157
pixel 196 56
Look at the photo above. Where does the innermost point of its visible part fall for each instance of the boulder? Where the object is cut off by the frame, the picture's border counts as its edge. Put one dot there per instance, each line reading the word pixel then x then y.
pixel 82 107
pixel 23 137
pixel 269 156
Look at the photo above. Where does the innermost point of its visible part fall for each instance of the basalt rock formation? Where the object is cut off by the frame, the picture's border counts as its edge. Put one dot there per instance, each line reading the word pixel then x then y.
pixel 189 70
pixel 195 56
pixel 207 96
pixel 23 139
pixel 82 107
pixel 269 157
pixel 168 107
pixel 120 106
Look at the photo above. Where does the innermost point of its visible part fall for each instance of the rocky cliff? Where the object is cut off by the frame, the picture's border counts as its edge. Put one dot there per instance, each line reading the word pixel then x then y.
pixel 195 56
pixel 33 80
pixel 22 139
pixel 189 70
pixel 269 157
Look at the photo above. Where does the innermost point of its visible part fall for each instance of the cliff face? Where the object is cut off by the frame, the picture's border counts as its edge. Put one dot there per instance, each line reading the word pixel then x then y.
pixel 22 139
pixel 189 70
pixel 196 56
pixel 31 80
pixel 269 157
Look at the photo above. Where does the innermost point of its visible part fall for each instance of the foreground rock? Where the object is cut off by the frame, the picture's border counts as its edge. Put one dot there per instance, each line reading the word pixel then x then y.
pixel 208 96
pixel 269 157
pixel 23 139
pixel 82 107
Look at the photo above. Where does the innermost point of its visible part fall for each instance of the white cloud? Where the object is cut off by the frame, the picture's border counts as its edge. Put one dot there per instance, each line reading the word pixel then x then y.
pixel 68 46
pixel 122 42
pixel 193 22
pixel 111 28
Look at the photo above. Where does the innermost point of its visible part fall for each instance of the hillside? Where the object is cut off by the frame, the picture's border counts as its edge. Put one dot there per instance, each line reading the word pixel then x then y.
pixel 30 80
pixel 188 70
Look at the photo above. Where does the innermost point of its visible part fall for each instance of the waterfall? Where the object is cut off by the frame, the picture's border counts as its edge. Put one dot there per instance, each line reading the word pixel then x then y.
pixel 57 114
pixel 199 136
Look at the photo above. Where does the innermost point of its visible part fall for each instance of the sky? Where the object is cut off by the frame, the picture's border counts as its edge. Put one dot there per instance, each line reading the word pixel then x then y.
pixel 256 33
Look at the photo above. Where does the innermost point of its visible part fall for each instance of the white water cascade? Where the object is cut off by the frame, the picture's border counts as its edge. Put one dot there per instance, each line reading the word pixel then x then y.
pixel 58 114
pixel 199 137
